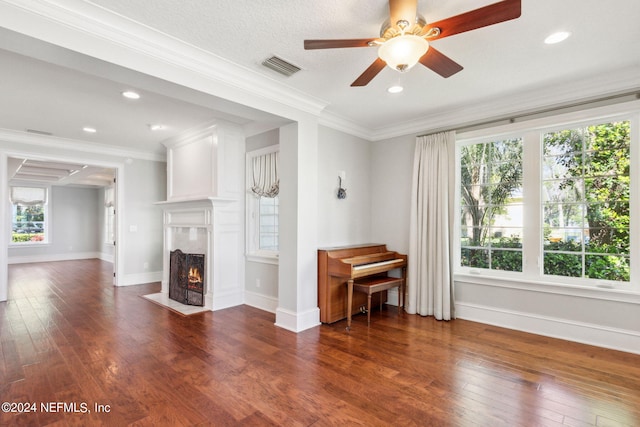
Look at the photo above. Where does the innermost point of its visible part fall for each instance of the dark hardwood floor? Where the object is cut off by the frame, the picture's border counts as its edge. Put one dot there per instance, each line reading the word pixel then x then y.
pixel 69 338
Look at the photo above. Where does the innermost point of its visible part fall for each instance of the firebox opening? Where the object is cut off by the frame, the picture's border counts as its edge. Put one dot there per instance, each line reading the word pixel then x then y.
pixel 186 278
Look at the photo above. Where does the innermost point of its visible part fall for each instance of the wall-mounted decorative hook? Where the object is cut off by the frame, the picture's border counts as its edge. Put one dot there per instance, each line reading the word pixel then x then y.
pixel 342 192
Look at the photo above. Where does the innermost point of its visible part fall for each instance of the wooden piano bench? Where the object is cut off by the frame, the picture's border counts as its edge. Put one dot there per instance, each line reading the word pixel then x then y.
pixel 371 285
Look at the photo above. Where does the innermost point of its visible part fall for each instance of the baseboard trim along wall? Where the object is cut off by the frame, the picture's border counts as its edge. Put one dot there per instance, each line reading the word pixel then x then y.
pixel 613 338
pixel 263 302
pixel 297 322
pixel 53 257
pixel 227 299
pixel 141 278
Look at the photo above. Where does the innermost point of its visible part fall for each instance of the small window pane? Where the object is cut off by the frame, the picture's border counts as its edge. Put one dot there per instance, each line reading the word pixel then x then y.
pixel 268 225
pixel 28 223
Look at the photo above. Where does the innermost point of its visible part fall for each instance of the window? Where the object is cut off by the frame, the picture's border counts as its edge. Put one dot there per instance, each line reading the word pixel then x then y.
pixel 550 204
pixel 585 182
pixel 491 205
pixel 109 215
pixel 28 215
pixel 263 205
pixel 268 224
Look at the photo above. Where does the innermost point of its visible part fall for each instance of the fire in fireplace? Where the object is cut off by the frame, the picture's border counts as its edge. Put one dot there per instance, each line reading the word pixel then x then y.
pixel 186 278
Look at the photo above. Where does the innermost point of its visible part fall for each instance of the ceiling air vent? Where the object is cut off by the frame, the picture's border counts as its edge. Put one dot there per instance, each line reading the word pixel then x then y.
pixel 281 66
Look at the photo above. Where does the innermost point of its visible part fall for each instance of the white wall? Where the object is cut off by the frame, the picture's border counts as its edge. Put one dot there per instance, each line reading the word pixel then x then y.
pixel 594 317
pixel 392 161
pixel 73 228
pixel 141 225
pixel 344 221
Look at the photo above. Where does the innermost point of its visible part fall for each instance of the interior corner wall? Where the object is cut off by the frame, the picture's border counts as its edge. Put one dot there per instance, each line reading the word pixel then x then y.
pixel 392 161
pixel 343 221
pixel 142 224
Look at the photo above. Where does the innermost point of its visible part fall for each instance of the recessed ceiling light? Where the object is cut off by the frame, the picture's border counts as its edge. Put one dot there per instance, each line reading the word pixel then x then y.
pixel 557 37
pixel 156 127
pixel 395 89
pixel 89 129
pixel 131 94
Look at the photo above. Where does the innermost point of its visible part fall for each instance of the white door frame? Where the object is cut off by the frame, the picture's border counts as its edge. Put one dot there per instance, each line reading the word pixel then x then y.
pixel 4 212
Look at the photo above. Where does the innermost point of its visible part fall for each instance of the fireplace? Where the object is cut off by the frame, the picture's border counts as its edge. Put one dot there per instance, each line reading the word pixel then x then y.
pixel 203 215
pixel 186 278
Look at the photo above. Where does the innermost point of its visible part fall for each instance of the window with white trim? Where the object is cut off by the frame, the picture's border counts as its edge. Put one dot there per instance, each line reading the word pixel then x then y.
pixel 29 215
pixel 263 204
pixel 550 204
pixel 109 214
pixel 491 205
pixel 585 184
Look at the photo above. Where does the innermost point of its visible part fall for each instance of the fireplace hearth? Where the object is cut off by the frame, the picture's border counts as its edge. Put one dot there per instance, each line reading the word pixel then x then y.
pixel 186 278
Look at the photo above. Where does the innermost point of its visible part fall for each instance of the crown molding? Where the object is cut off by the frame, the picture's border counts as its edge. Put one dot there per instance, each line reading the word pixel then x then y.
pixel 556 95
pixel 333 121
pixel 14 137
pixel 98 32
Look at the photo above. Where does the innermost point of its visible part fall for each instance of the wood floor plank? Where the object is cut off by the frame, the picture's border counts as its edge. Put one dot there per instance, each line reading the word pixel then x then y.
pixel 86 342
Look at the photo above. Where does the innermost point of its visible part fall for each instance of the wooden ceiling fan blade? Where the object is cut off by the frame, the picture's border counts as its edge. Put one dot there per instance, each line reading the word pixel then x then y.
pixel 402 10
pixel 339 43
pixel 502 11
pixel 369 73
pixel 440 63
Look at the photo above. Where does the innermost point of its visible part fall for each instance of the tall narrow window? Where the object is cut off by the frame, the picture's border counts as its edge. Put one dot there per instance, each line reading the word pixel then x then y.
pixel 29 215
pixel 263 204
pixel 491 205
pixel 586 201
pixel 268 239
pixel 109 214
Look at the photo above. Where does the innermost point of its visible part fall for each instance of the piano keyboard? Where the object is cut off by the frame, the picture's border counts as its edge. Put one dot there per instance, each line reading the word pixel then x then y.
pixel 377 264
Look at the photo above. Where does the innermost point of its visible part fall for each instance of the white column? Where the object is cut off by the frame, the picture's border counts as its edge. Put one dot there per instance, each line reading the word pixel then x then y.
pixel 297 285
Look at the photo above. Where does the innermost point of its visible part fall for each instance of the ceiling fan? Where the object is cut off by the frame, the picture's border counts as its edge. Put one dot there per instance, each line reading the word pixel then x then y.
pixel 404 38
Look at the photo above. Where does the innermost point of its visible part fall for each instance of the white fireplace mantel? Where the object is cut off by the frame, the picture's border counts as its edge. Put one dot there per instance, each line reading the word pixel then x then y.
pixel 196 202
pixel 204 210
pixel 206 226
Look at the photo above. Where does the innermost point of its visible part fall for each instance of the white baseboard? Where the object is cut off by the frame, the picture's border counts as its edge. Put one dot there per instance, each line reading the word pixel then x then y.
pixel 297 321
pixel 141 278
pixel 227 299
pixel 106 257
pixel 263 302
pixel 52 257
pixel 601 336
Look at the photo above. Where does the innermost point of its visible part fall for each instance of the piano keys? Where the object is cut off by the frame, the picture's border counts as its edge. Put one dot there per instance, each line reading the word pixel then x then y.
pixel 341 265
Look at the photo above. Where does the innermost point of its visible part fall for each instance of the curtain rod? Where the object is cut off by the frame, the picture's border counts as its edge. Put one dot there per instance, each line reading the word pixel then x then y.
pixel 565 108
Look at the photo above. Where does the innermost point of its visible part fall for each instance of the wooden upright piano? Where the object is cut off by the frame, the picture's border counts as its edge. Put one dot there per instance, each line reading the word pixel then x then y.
pixel 340 267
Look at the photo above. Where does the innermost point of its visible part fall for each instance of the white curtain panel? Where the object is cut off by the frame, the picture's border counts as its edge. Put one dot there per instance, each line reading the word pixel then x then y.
pixel 430 278
pixel 266 182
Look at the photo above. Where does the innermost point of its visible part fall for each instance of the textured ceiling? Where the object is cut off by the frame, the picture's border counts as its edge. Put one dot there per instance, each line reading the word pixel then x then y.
pixel 48 88
pixel 501 60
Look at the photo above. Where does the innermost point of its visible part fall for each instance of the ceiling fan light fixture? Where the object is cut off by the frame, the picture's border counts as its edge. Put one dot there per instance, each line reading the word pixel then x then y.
pixel 395 89
pixel 403 52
